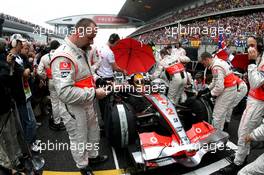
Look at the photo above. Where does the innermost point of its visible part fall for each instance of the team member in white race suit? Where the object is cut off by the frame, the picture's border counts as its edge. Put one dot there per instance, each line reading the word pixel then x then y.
pixel 44 72
pixel 242 90
pixel 223 87
pixel 173 65
pixel 75 86
pixel 256 167
pixel 178 50
pixel 254 112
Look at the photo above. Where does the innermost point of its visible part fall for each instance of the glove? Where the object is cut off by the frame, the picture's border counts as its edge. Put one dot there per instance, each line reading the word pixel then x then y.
pixel 100 82
pixel 203 92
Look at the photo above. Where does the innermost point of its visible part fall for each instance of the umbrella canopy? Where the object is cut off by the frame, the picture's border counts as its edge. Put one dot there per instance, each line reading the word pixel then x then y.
pixel 240 61
pixel 133 56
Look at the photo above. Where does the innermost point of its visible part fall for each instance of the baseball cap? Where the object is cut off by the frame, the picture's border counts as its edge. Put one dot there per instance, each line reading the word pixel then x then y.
pixel 17 37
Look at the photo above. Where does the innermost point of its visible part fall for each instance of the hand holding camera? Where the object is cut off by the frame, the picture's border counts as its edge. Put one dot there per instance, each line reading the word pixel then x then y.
pixel 10 58
pixel 26 73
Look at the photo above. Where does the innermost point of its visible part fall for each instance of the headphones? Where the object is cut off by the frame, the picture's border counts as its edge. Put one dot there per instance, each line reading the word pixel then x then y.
pixel 14 39
pixel 14 43
pixel 260 44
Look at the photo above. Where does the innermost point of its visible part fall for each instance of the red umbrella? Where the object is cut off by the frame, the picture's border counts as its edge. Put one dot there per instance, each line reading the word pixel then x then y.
pixel 240 61
pixel 133 56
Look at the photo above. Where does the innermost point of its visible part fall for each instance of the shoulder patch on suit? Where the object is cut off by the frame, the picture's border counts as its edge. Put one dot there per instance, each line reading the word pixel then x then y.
pixel 65 65
pixel 215 71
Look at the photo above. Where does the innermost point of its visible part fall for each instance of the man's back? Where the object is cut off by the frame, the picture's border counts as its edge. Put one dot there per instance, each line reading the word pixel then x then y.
pixel 107 58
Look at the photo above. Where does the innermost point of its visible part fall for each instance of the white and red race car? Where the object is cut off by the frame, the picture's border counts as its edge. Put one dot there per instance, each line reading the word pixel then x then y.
pixel 158 133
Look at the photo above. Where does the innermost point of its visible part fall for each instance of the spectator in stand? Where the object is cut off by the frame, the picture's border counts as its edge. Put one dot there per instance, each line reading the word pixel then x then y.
pixel 240 28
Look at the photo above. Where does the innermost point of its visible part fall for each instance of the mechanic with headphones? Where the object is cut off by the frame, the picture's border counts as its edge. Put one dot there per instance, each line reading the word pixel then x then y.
pixel 173 65
pixel 21 90
pixel 254 112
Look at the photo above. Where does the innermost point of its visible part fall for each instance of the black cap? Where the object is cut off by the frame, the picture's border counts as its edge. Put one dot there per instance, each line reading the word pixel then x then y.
pixel 54 44
pixel 113 38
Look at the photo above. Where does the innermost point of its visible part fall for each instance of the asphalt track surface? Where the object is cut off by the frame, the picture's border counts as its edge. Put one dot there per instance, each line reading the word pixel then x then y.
pixel 120 162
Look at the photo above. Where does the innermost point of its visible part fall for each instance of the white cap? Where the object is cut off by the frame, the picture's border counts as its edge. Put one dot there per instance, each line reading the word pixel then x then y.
pixel 17 37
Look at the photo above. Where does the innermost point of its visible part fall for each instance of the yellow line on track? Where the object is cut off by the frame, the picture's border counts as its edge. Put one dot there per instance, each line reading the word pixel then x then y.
pixel 102 172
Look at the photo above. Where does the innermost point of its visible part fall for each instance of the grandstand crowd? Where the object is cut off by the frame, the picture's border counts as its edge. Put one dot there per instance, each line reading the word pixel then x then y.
pixel 215 6
pixel 240 27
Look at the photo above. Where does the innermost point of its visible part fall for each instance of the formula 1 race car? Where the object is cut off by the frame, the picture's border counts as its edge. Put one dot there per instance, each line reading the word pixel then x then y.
pixel 157 132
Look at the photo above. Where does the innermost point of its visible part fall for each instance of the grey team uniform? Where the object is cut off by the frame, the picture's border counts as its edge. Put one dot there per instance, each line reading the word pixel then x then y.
pixel 173 65
pixel 69 69
pixel 44 70
pixel 224 88
pixel 254 111
pixel 256 167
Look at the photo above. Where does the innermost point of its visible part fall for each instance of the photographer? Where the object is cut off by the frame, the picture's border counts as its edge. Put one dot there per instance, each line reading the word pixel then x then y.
pixel 10 151
pixel 7 171
pixel 21 90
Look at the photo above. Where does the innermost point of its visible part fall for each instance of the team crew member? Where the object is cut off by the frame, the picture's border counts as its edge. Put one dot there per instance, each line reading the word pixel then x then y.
pixel 242 90
pixel 106 67
pixel 173 65
pixel 256 167
pixel 107 63
pixel 178 50
pixel 223 87
pixel 44 72
pixel 74 84
pixel 199 82
pixel 254 112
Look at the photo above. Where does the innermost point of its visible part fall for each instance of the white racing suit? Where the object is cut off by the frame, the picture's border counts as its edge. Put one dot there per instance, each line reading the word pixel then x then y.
pixel 224 88
pixel 241 93
pixel 254 111
pixel 45 71
pixel 256 167
pixel 180 51
pixel 189 84
pixel 178 77
pixel 75 86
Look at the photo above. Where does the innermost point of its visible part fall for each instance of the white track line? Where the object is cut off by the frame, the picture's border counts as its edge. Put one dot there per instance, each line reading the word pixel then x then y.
pixel 115 158
pixel 209 169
